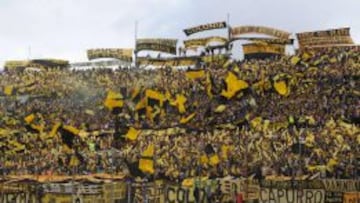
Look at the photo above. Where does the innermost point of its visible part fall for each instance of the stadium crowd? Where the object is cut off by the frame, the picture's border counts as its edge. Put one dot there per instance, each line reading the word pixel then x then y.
pixel 294 116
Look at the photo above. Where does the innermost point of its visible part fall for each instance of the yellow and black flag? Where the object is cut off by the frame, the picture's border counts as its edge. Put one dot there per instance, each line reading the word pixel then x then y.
pixel 114 102
pixel 135 94
pixel 153 113
pixel 31 125
pixel 140 109
pixel 146 163
pixel 213 158
pixel 68 133
pixel 154 98
pixel 233 86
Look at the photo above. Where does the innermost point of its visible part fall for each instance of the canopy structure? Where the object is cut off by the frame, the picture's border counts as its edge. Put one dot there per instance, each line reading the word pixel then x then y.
pixel 21 65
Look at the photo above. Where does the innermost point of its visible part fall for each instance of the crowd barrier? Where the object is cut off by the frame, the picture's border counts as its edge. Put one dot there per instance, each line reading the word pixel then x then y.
pixel 190 191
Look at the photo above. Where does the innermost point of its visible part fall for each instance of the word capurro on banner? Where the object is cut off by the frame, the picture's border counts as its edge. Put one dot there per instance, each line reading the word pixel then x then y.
pixel 200 28
pixel 157 44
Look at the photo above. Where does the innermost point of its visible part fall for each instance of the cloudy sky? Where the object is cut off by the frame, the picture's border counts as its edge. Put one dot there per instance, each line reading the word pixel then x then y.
pixel 66 28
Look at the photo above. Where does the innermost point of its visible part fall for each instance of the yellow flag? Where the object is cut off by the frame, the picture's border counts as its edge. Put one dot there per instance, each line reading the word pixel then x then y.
pixel 224 151
pixel 214 160
pixel 184 120
pixel 141 104
pixel 281 88
pixel 111 104
pixel 204 159
pixel 209 86
pixel 54 129
pixel 233 85
pixel 153 95
pixel 30 118
pixel 146 166
pixel 295 60
pixel 132 134
pixel 71 129
pixel 220 108
pixel 114 95
pixel 135 93
pixel 149 113
pixel 305 56
pixel 180 103
pixel 330 164
pixel 188 182
pixel 146 163
pixel 256 122
pixel 181 100
pixel 74 161
pixel 149 151
pixel 195 74
pixel 113 100
pixel 8 90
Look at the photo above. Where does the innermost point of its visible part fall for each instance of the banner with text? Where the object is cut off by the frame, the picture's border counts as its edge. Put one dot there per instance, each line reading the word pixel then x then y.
pixel 200 28
pixel 259 30
pixel 197 189
pixel 121 54
pixel 202 42
pixel 340 36
pixel 256 48
pixel 188 61
pixel 182 61
pixel 265 40
pixel 157 44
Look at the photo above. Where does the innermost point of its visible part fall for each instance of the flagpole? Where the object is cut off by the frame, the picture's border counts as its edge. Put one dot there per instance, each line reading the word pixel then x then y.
pixel 229 32
pixel 228 23
pixel 135 35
